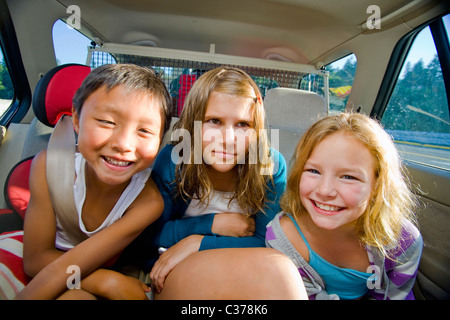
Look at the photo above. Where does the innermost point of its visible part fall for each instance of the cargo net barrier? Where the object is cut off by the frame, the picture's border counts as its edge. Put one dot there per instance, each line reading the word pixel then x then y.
pixel 179 74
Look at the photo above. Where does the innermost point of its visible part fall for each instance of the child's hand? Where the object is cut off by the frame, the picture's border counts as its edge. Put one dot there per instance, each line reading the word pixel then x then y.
pixel 117 286
pixel 233 225
pixel 171 258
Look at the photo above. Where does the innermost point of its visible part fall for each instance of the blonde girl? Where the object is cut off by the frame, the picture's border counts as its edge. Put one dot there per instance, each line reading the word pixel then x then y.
pixel 347 218
pixel 221 185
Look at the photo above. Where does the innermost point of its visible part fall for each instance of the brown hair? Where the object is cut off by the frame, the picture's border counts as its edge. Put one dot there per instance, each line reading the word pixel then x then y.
pixel 192 179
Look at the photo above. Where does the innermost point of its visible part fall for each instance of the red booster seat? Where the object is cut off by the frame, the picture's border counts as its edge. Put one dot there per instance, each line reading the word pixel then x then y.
pixel 51 100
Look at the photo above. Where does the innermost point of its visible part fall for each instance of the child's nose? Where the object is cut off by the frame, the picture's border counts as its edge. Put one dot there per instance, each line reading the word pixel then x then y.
pixel 229 136
pixel 123 141
pixel 326 187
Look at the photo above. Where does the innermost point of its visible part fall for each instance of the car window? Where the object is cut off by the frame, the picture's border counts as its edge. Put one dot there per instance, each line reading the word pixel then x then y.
pixel 417 115
pixel 342 74
pixel 6 86
pixel 70 45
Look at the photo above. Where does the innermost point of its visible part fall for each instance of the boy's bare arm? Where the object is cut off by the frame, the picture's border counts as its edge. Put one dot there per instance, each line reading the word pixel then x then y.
pixel 113 285
pixel 95 251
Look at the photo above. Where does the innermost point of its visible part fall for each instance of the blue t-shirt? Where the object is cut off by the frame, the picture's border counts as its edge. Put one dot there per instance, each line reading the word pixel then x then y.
pixel 175 229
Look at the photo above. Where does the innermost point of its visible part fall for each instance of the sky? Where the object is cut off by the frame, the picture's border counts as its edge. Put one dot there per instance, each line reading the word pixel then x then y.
pixel 71 45
pixel 422 48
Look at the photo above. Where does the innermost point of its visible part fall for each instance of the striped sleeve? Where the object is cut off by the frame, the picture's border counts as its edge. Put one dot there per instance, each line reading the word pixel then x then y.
pixel 400 273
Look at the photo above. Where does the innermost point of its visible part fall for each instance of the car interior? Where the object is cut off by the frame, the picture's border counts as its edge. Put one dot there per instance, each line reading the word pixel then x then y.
pixel 389 59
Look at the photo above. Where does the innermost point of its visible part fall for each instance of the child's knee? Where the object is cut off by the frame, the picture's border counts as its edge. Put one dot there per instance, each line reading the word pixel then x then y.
pixel 279 274
pixel 244 273
pixel 269 260
pixel 77 294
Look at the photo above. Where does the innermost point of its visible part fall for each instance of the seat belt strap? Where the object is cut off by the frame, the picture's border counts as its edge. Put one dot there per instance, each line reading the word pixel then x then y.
pixel 61 177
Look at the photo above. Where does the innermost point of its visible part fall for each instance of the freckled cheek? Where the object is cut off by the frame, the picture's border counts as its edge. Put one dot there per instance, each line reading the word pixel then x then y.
pixel 306 188
pixel 306 185
pixel 357 197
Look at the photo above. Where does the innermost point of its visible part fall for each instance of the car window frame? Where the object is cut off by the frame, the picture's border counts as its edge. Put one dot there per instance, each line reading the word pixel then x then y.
pixel 399 56
pixel 13 60
pixel 441 41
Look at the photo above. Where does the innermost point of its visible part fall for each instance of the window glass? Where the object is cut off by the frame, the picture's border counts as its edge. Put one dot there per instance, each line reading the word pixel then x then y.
pixel 70 45
pixel 417 115
pixel 342 74
pixel 446 20
pixel 6 86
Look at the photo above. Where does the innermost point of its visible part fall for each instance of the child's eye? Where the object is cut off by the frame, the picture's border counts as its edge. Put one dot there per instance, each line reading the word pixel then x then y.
pixel 243 124
pixel 348 177
pixel 213 121
pixel 106 122
pixel 314 171
pixel 147 131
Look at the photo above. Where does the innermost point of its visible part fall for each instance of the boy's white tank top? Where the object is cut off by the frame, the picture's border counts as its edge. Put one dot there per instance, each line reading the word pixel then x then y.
pixel 130 193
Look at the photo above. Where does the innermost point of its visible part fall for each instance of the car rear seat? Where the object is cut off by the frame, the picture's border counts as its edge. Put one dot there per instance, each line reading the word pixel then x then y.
pixel 11 151
pixel 291 112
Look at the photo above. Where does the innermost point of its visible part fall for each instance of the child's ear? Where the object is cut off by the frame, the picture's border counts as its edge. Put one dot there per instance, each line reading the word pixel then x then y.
pixel 75 120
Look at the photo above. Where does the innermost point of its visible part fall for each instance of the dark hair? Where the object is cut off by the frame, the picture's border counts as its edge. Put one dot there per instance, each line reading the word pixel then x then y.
pixel 133 78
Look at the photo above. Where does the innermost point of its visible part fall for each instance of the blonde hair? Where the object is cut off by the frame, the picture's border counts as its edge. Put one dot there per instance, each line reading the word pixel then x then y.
pixel 192 179
pixel 391 201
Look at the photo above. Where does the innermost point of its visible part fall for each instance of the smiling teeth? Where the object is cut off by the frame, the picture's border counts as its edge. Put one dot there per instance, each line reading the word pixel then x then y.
pixel 327 207
pixel 117 162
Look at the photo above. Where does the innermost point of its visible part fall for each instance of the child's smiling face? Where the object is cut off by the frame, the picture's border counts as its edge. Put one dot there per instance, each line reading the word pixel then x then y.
pixel 119 133
pixel 337 181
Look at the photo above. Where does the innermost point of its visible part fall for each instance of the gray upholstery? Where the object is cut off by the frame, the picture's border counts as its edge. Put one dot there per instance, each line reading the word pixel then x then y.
pixel 37 138
pixel 291 112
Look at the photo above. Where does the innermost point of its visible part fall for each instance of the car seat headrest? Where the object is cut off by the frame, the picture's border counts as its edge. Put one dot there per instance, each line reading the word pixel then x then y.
pixel 55 90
